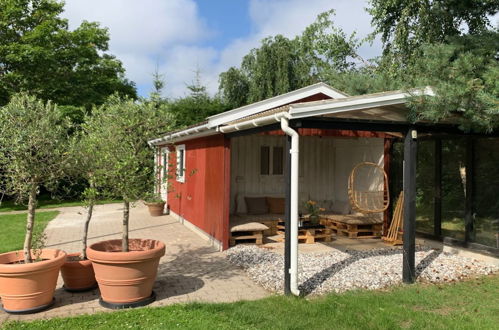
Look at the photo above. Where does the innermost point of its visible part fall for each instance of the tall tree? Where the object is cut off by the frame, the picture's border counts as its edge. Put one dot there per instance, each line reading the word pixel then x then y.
pixel 405 25
pixel 281 65
pixel 196 106
pixel 39 54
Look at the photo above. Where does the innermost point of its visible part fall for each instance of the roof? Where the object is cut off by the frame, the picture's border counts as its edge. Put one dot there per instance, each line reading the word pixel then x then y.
pixel 223 118
pixel 386 106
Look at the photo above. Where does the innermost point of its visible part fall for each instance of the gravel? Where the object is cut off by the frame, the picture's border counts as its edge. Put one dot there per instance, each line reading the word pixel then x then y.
pixel 337 271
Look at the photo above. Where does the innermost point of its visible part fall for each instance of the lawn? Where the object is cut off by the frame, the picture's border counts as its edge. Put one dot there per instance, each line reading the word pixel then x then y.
pixel 13 225
pixel 472 304
pixel 46 203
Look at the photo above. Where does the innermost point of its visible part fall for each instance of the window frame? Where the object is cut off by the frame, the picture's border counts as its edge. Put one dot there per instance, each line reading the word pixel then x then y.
pixel 181 166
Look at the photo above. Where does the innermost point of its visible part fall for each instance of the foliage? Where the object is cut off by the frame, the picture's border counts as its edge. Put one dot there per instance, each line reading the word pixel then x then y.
pixel 117 133
pixel 465 305
pixel 196 106
pixel 405 25
pixel 39 54
pixel 281 65
pixel 463 74
pixel 12 226
pixel 312 208
pixel 33 136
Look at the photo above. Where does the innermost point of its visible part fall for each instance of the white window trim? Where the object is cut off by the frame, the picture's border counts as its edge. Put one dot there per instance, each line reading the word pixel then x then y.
pixel 178 148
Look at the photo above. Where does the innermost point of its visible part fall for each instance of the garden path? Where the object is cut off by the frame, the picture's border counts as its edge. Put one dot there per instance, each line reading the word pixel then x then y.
pixel 191 270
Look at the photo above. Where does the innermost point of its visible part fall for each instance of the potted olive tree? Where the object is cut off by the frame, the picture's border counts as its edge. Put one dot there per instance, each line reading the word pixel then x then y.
pixel 33 143
pixel 77 271
pixel 117 133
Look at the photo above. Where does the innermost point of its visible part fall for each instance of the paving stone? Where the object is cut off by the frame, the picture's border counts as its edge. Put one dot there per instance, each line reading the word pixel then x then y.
pixel 190 271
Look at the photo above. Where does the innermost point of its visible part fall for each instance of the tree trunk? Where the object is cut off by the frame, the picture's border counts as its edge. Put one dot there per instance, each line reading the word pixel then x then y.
pixel 126 216
pixel 85 229
pixel 29 224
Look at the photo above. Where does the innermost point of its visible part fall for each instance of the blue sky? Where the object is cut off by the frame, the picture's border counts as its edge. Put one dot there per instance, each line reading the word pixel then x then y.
pixel 180 36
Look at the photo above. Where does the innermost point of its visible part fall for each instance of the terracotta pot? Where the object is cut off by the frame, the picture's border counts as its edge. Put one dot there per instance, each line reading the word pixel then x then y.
pixel 155 209
pixel 78 275
pixel 29 288
pixel 126 278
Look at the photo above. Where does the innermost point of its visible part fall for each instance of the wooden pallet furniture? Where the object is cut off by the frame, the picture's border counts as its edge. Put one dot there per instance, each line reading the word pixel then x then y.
pixel 354 226
pixel 270 220
pixel 395 233
pixel 308 234
pixel 246 232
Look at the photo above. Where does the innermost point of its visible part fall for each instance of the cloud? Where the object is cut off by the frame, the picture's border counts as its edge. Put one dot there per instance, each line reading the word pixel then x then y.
pixel 141 31
pixel 173 35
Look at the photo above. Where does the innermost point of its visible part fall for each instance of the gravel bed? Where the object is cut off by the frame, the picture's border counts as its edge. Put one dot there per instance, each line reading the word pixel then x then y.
pixel 337 271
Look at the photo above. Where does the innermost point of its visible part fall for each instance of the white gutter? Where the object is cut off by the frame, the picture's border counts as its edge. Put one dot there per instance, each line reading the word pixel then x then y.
pixel 295 153
pixel 262 121
pixel 191 133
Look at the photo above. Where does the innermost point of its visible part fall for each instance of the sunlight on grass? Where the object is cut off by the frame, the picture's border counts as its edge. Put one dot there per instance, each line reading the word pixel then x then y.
pixel 472 304
pixel 13 225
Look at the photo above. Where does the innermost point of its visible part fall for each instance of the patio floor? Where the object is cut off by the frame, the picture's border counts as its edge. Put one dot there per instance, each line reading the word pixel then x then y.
pixel 190 271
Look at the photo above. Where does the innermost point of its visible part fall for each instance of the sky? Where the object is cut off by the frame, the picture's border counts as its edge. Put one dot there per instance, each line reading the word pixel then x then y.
pixel 179 37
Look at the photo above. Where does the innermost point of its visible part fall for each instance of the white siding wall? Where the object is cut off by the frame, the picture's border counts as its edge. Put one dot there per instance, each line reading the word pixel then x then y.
pixel 325 164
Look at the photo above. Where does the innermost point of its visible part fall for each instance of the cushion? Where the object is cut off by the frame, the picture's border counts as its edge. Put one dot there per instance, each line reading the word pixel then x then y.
pixel 256 205
pixel 276 205
pixel 340 207
pixel 238 226
pixel 355 219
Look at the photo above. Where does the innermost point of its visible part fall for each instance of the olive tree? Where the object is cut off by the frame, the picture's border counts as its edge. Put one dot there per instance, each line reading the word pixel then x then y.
pixel 33 143
pixel 117 134
pixel 84 166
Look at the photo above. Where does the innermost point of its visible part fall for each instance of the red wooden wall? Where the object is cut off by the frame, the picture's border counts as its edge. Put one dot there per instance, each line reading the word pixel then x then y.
pixel 204 196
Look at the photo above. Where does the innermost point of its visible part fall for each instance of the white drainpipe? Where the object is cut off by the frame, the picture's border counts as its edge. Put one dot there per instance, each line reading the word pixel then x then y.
pixel 295 153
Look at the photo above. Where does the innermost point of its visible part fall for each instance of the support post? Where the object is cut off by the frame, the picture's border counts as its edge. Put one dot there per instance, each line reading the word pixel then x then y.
pixel 468 215
pixel 409 249
pixel 287 219
pixel 437 215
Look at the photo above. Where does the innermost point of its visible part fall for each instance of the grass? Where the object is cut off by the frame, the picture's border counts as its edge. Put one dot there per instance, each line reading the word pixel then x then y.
pixel 13 226
pixel 472 304
pixel 46 203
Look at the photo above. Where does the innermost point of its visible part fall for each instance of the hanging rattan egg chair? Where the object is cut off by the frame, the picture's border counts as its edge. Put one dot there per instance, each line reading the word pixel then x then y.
pixel 368 188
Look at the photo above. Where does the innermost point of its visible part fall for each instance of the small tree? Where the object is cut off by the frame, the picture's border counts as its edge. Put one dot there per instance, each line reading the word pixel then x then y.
pixel 117 133
pixel 33 139
pixel 84 166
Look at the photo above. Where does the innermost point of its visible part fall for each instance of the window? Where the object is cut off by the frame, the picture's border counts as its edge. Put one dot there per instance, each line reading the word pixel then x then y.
pixel 271 159
pixel 181 163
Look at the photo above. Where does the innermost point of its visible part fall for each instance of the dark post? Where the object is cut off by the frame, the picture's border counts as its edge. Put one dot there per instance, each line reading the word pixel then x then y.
pixel 437 215
pixel 287 219
pixel 468 215
pixel 409 250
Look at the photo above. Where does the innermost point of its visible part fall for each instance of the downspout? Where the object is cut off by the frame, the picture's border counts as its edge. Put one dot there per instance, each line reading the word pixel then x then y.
pixel 295 153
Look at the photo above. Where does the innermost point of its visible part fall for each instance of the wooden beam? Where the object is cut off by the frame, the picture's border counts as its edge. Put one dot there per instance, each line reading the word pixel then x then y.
pixel 409 248
pixel 468 213
pixel 437 198
pixel 287 218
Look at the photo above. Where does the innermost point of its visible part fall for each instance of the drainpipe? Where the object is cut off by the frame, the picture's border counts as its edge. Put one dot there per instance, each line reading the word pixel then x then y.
pixel 295 152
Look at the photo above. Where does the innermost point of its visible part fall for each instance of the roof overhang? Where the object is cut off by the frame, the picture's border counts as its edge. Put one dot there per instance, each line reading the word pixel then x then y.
pixel 274 102
pixel 214 122
pixel 387 106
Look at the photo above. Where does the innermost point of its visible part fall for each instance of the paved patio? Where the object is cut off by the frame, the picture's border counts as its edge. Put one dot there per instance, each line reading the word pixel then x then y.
pixel 190 271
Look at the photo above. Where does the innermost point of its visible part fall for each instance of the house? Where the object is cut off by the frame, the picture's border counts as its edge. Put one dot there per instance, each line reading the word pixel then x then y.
pixel 304 144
